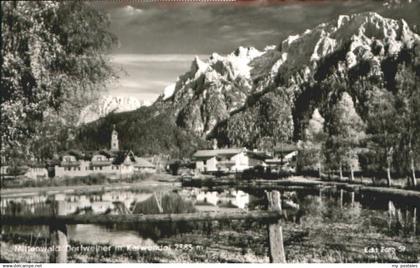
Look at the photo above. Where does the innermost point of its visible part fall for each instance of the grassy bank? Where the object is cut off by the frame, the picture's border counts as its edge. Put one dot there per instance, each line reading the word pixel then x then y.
pixel 242 242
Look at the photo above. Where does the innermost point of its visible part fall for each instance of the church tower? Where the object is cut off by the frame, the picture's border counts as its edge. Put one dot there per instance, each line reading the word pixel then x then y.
pixel 114 140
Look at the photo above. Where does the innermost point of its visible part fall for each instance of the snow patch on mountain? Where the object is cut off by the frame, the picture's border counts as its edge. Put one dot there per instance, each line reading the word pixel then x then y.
pixel 215 89
pixel 277 65
pixel 291 38
pixel 169 91
pixel 359 31
pixel 235 64
pixel 216 68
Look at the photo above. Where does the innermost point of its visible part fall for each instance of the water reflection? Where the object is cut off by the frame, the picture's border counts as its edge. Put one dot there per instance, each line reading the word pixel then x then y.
pixel 85 233
pixel 205 200
pixel 308 209
pixel 122 202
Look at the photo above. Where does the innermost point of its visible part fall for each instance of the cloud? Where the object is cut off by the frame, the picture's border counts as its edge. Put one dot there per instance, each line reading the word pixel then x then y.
pixel 126 83
pixel 126 11
pixel 146 76
pixel 206 28
pixel 159 42
pixel 144 58
pixel 132 10
pixel 144 85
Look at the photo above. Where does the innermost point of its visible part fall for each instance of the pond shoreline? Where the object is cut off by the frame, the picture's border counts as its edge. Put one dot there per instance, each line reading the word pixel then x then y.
pixel 300 183
pixel 173 182
pixel 148 184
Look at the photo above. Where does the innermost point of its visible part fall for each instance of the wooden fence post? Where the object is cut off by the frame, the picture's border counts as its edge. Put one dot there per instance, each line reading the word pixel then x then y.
pixel 275 232
pixel 391 213
pixel 58 234
pixel 158 202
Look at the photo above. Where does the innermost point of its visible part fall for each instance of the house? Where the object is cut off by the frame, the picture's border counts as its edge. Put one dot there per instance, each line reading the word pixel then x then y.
pixel 36 170
pixel 101 162
pixel 113 162
pixel 284 150
pixel 227 160
pixel 30 170
pixel 284 157
pixel 143 166
pixel 72 163
pixel 4 167
pixel 4 170
pixel 124 160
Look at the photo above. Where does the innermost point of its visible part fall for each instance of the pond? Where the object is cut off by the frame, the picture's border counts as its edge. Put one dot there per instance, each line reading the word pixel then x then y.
pixel 327 225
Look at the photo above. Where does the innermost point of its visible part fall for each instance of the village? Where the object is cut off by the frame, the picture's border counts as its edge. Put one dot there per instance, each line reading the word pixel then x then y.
pixel 118 164
pixel 186 132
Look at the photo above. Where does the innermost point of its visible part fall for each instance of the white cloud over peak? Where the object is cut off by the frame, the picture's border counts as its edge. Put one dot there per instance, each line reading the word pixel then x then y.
pixel 136 58
pixel 147 75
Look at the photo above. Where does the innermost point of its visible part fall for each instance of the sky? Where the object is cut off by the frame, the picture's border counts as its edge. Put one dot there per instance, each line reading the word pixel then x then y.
pixel 158 40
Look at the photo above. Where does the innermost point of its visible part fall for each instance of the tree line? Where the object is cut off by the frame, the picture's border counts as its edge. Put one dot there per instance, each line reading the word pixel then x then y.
pixel 385 142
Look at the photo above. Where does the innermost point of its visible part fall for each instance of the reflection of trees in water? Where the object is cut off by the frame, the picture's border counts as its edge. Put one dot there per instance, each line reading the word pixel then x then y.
pixel 320 210
pixel 22 207
pixel 166 203
pixel 312 211
pixel 402 220
pixel 174 203
pixel 351 211
pixel 207 229
pixel 257 203
pixel 169 203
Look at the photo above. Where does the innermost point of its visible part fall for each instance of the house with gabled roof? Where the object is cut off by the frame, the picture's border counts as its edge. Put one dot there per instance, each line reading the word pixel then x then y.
pixel 227 160
pixel 36 170
pixel 125 161
pixel 113 162
pixel 30 169
pixel 284 157
pixel 142 165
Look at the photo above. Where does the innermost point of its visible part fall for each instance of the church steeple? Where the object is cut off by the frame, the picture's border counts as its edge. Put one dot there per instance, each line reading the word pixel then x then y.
pixel 114 139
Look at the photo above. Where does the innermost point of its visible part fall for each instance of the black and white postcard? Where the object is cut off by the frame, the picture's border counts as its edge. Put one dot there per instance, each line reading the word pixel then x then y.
pixel 210 131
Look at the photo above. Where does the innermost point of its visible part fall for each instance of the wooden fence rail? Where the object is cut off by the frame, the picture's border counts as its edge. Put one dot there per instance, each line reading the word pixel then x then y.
pixel 58 223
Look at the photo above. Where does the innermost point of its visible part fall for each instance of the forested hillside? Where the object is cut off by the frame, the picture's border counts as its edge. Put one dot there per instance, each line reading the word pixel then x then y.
pixel 146 131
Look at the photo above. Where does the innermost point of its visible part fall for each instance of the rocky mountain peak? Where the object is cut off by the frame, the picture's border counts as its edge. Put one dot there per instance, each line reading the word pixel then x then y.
pixel 258 99
pixel 365 36
pixel 108 104
pixel 206 98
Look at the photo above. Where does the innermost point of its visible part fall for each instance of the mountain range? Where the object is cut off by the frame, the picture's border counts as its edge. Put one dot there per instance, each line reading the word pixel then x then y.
pixel 251 96
pixel 106 105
